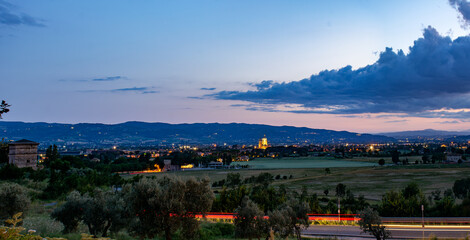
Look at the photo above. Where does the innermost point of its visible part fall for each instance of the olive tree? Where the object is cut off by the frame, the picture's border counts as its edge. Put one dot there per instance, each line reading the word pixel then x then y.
pixel 13 199
pixel 163 206
pixel 70 213
pixel 102 212
pixel 290 219
pixel 249 220
pixel 371 223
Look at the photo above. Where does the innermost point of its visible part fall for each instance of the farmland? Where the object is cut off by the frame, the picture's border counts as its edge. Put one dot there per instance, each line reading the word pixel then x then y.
pixel 361 175
pixel 303 162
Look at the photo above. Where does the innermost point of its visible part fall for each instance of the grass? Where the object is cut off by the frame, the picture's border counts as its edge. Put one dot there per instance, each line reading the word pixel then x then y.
pixel 303 162
pixel 370 181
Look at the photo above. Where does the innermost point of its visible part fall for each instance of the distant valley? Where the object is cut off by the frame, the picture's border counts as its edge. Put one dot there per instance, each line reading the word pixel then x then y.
pixel 147 134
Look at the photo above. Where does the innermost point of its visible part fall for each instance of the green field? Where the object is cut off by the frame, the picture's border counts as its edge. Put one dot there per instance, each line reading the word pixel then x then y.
pixel 302 162
pixel 361 175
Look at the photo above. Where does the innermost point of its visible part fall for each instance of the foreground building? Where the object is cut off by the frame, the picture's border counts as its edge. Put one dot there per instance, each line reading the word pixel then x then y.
pixel 23 153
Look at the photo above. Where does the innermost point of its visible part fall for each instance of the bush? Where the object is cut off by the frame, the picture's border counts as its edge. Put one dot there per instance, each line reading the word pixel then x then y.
pixel 226 229
pixel 381 162
pixel 101 212
pixel 217 230
pixel 14 232
pixel 13 199
pixel 70 213
pixel 11 172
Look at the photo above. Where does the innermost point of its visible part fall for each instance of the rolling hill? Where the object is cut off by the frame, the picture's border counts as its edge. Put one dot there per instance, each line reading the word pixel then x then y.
pixel 146 134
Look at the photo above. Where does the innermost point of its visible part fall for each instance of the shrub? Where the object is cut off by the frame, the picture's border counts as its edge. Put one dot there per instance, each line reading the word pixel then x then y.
pixel 13 199
pixel 10 172
pixel 381 162
pixel 14 232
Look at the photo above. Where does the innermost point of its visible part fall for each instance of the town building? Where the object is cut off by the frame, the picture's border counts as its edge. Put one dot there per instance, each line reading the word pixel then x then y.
pixel 216 165
pixel 453 158
pixel 23 153
pixel 263 143
pixel 169 167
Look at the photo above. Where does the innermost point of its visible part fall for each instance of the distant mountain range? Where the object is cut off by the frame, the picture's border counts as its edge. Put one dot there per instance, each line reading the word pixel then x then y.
pixel 148 134
pixel 426 134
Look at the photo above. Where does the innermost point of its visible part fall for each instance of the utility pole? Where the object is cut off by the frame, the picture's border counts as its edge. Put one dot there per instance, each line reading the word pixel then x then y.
pixel 339 209
pixel 422 218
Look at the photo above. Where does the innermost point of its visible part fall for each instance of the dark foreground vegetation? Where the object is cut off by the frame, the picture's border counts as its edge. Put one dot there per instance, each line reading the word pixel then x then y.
pixel 92 196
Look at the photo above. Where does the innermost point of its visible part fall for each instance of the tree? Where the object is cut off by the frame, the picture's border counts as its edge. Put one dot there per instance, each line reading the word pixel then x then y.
pixel 340 190
pixel 461 188
pixel 405 203
pixel 327 171
pixel 326 191
pixel 233 179
pixel 52 155
pixel 104 211
pixel 438 157
pixel 4 108
pixel 13 199
pixel 168 204
pixel 3 151
pixel 381 162
pixel 425 159
pixel 411 190
pixel 249 220
pixel 290 219
pixel 371 223
pixel 395 156
pixel 11 172
pixel 71 212
pixel 264 179
pixel 279 223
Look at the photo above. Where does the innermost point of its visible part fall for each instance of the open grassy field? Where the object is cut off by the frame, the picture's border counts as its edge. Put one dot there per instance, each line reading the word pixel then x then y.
pixel 303 162
pixel 366 178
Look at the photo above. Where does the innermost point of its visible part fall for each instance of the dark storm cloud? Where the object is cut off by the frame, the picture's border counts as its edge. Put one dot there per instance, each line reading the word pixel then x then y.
pixel 435 74
pixel 263 85
pixel 463 7
pixel 10 17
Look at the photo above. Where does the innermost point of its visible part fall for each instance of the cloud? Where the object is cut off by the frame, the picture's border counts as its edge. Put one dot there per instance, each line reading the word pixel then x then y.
pixel 464 9
pixel 397 121
pixel 449 122
pixel 208 89
pixel 108 79
pixel 9 17
pixel 101 79
pixel 434 75
pixel 143 90
pixel 140 90
pixel 262 85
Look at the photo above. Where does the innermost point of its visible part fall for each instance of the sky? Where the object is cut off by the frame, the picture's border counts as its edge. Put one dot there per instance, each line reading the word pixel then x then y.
pixel 363 66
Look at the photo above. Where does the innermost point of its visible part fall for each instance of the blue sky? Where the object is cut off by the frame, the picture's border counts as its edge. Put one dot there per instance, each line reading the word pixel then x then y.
pixel 203 61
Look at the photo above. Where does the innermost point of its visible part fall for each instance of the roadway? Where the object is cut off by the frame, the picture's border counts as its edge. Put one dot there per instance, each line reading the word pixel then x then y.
pixel 398 231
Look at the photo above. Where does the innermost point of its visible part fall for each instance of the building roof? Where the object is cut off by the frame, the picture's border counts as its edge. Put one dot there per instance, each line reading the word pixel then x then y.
pixel 25 141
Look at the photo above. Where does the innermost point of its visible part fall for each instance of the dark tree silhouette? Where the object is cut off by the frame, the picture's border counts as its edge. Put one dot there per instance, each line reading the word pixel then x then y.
pixel 4 108
pixel 372 223
pixel 381 162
